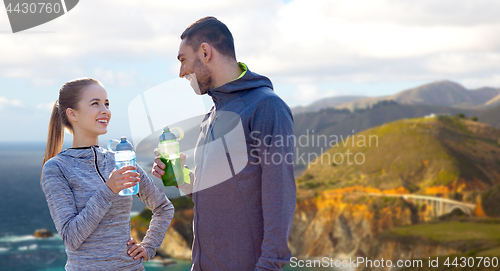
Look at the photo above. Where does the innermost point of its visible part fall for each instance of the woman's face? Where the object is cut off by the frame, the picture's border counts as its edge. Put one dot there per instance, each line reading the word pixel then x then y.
pixel 93 114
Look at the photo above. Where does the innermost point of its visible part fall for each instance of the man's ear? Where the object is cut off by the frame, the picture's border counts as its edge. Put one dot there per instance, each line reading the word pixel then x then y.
pixel 71 114
pixel 206 52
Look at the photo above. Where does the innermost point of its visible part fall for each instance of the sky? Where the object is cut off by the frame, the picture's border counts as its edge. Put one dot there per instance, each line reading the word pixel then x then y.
pixel 309 49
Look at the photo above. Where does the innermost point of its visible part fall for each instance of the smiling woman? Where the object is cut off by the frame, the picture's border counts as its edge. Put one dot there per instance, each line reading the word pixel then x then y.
pixel 81 186
pixel 91 117
pixel 69 97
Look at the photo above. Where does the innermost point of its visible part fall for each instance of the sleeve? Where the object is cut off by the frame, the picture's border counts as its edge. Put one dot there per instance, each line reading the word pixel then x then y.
pixel 274 121
pixel 73 227
pixel 163 212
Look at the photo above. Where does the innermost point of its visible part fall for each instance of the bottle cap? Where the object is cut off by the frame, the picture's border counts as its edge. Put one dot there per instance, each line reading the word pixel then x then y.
pixel 124 145
pixel 167 135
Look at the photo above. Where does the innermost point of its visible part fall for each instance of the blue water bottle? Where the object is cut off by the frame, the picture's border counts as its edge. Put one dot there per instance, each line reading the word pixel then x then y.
pixel 124 156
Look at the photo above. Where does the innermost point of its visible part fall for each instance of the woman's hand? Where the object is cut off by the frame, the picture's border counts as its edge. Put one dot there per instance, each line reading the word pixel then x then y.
pixel 119 179
pixel 136 250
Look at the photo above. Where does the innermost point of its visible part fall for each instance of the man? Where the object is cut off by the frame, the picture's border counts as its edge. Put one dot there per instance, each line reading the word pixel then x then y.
pixel 244 196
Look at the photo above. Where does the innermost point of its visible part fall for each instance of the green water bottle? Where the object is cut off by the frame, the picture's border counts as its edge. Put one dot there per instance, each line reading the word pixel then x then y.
pixel 170 156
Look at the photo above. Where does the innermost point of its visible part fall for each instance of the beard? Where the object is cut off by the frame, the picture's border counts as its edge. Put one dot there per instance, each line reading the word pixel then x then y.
pixel 201 80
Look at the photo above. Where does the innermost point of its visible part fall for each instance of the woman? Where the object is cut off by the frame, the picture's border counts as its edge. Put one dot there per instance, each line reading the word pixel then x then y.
pixel 81 186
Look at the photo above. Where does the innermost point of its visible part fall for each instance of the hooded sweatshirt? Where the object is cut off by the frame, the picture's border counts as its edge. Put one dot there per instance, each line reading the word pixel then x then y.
pixel 244 200
pixel 92 220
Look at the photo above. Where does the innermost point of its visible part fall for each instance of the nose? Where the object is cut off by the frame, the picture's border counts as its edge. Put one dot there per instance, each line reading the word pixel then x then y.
pixel 182 73
pixel 105 110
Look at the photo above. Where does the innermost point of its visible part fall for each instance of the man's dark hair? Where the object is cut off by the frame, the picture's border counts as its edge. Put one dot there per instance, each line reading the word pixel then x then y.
pixel 211 31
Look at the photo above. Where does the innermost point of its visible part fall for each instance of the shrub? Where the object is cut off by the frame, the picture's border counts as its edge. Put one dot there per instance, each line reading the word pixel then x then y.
pixel 307 176
pixel 312 185
pixel 490 201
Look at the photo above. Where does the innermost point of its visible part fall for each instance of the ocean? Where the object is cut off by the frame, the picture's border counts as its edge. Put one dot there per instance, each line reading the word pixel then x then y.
pixel 24 210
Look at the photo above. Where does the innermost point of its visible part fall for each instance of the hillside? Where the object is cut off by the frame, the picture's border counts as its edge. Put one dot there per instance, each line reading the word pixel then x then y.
pixel 491 116
pixel 493 102
pixel 326 103
pixel 419 154
pixel 440 93
pixel 331 121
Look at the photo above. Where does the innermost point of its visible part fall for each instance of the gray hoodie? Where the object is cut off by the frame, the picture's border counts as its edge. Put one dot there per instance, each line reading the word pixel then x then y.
pixel 92 220
pixel 244 201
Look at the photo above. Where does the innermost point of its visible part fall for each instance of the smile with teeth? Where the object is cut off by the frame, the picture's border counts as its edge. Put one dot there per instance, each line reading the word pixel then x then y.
pixel 103 121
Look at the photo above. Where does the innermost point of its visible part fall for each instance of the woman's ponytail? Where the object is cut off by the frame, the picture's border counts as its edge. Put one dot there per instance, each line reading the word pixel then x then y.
pixel 55 136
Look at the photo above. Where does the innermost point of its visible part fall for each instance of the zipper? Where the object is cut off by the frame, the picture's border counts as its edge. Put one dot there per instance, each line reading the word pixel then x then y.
pixel 206 140
pixel 95 163
pixel 212 127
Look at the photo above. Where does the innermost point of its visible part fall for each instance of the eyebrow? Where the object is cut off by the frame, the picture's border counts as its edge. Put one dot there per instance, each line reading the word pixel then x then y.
pixel 96 99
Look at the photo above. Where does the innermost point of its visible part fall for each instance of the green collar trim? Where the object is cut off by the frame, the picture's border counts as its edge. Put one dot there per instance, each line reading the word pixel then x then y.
pixel 244 68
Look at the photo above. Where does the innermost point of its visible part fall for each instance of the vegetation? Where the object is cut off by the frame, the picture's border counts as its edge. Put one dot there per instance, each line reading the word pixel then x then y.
pixel 182 221
pixel 143 218
pixel 384 103
pixel 451 231
pixel 474 239
pixel 181 203
pixel 414 153
pixel 490 201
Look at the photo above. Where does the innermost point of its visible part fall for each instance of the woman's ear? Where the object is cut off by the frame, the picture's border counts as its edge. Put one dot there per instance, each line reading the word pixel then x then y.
pixel 71 114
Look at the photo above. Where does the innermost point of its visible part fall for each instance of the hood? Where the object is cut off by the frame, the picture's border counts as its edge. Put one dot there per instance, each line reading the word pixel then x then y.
pixel 249 80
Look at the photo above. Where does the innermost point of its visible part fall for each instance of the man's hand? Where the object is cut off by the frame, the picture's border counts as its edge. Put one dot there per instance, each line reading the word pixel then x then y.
pixel 159 166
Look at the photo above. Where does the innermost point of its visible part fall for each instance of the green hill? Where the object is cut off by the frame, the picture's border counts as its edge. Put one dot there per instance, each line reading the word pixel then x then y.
pixel 342 122
pixel 415 153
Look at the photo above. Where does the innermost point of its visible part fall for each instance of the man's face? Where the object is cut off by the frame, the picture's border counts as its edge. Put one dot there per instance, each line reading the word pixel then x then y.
pixel 193 69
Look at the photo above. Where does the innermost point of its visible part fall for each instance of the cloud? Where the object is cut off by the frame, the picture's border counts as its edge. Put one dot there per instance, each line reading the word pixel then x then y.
pixel 9 104
pixel 306 48
pixel 298 42
pixel 116 78
pixel 306 93
pixel 45 106
pixel 18 107
pixel 367 40
pixel 492 80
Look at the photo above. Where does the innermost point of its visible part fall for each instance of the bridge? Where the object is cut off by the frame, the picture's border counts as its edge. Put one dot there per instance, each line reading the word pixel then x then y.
pixel 438 206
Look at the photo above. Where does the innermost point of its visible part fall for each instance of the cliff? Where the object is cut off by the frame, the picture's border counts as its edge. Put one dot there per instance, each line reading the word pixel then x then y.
pixel 345 222
pixel 409 173
pixel 353 222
